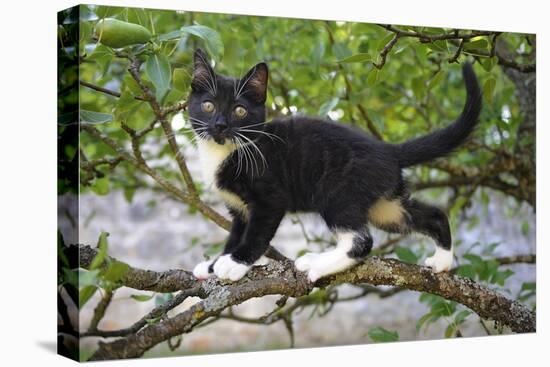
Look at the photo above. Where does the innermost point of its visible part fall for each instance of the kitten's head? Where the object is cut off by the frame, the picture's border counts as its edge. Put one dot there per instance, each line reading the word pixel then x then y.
pixel 225 108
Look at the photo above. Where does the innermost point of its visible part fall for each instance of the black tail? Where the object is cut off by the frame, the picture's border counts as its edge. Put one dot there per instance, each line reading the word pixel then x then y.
pixel 443 141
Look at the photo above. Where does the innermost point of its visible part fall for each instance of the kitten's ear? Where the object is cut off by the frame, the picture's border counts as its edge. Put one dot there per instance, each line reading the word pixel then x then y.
pixel 255 82
pixel 202 71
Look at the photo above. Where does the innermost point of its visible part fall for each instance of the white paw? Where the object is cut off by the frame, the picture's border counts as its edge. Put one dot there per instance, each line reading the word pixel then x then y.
pixel 442 260
pixel 201 269
pixel 303 263
pixel 323 264
pixel 227 268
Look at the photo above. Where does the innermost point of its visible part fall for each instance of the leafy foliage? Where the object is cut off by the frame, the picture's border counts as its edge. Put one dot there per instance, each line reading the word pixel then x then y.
pixel 379 334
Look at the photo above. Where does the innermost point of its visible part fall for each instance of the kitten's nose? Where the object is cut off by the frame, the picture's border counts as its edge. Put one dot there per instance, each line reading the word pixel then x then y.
pixel 220 126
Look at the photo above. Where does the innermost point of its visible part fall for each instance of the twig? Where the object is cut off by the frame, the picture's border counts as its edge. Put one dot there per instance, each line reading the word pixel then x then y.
pixel 457 53
pixel 370 124
pixel 105 90
pixel 157 312
pixel 187 178
pixel 384 53
pixel 100 309
pixel 517 259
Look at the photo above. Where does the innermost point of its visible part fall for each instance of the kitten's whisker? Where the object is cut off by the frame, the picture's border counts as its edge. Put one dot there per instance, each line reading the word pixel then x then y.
pixel 204 123
pixel 249 155
pixel 264 161
pixel 259 123
pixel 239 153
pixel 269 135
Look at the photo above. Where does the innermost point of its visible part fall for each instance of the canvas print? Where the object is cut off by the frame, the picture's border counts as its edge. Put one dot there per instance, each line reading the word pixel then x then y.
pixel 232 183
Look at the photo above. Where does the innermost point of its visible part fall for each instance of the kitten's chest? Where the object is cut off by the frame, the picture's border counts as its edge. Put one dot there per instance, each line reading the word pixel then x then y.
pixel 212 157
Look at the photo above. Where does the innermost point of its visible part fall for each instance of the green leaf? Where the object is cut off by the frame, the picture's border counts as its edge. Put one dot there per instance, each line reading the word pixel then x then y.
pixel 93 118
pixel 418 86
pixel 362 57
pixel 328 106
pixel 87 278
pixel 461 316
pixel 181 79
pixel 426 319
pixel 489 63
pixel 138 16
pixel 340 51
pixel 466 271
pixel 440 46
pixel 142 297
pixel 436 79
pixel 157 69
pixel 489 89
pixel 430 299
pixel 170 36
pixel 477 262
pixel 501 276
pixel 372 78
pixel 525 228
pixel 126 105
pixel 101 186
pixel 317 54
pixel 71 276
pixel 103 56
pixel 405 254
pixel 85 294
pixel 102 251
pixel 379 334
pixel 108 11
pixel 129 193
pixel 528 289
pixel 116 271
pixel 443 308
pixel 479 44
pixel 130 84
pixel 450 331
pixel 213 40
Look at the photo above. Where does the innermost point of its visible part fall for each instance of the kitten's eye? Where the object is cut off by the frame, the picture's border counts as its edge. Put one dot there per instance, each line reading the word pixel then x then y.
pixel 240 112
pixel 207 107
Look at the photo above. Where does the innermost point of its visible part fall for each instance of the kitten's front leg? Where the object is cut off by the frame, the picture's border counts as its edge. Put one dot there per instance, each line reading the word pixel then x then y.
pixel 260 229
pixel 205 269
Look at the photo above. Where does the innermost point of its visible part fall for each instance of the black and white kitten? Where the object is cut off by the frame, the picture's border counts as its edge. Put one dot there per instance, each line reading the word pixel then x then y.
pixel 263 170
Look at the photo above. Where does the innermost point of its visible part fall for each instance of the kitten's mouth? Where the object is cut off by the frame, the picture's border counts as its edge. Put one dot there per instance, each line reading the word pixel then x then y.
pixel 219 139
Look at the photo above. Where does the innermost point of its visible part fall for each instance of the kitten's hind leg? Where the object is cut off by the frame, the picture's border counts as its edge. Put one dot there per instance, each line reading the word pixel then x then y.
pixel 352 246
pixel 404 215
pixel 433 222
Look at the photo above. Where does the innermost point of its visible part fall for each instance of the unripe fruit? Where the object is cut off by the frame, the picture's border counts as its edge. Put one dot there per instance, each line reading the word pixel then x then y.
pixel 116 33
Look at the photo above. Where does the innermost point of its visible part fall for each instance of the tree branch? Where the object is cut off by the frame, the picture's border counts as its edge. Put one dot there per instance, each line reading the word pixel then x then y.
pixel 283 279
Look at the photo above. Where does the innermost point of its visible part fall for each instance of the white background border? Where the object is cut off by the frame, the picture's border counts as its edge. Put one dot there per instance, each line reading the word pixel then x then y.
pixel 28 182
